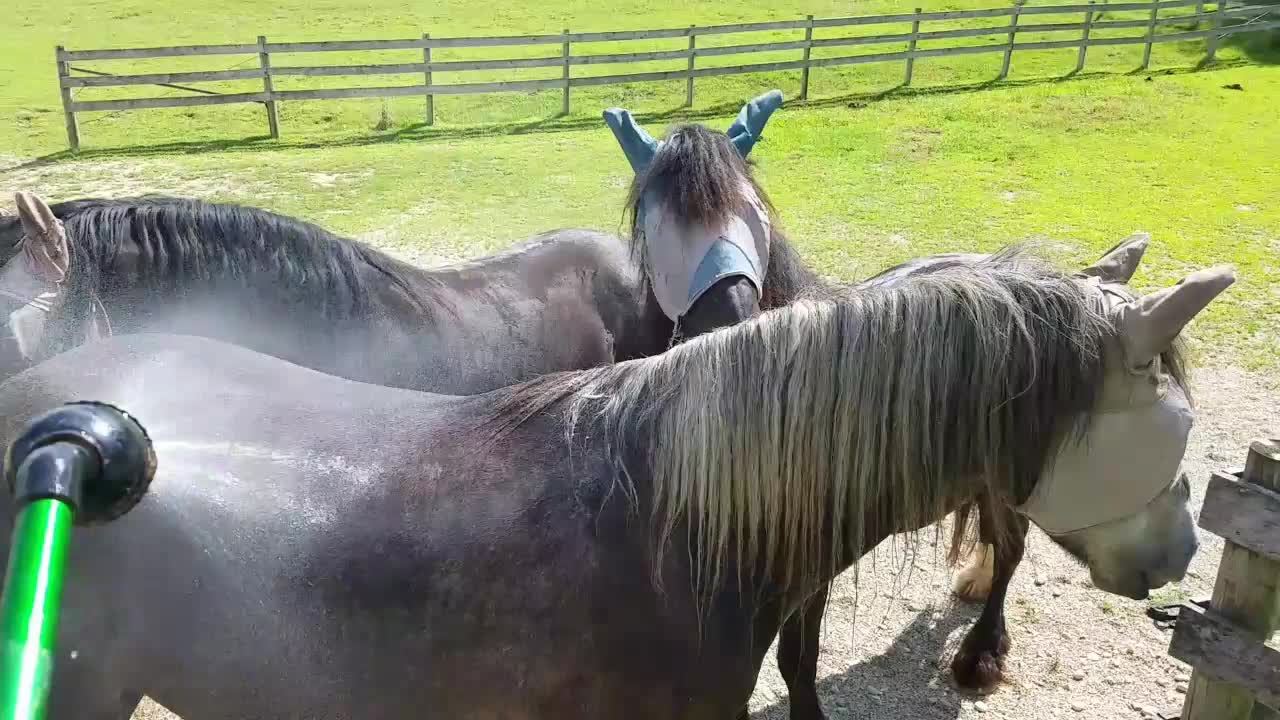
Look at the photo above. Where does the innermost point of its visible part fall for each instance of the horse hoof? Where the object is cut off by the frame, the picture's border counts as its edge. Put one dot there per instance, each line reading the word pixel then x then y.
pixel 980 669
pixel 980 673
pixel 806 711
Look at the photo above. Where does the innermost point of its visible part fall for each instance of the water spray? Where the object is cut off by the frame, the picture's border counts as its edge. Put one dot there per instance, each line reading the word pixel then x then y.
pixel 84 463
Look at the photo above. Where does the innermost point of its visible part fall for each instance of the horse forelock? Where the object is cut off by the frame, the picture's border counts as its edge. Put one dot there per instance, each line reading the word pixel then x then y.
pixel 779 442
pixel 698 176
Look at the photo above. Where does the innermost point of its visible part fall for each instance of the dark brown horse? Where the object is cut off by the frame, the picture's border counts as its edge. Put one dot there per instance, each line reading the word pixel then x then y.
pixel 565 299
pixel 621 542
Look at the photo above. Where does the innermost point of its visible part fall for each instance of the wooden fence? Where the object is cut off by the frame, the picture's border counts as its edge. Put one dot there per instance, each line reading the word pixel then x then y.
pixel 1236 676
pixel 1226 18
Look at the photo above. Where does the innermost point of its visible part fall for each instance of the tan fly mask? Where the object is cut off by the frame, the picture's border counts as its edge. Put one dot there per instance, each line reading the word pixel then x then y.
pixel 684 259
pixel 32 282
pixel 1132 448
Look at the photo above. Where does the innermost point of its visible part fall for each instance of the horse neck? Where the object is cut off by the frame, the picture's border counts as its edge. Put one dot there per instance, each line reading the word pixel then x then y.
pixel 788 278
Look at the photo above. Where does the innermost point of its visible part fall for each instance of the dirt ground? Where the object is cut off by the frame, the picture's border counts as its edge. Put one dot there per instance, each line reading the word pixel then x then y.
pixel 1077 652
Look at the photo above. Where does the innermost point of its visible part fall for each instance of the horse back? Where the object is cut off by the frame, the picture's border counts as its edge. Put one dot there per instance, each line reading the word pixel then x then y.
pixel 353 549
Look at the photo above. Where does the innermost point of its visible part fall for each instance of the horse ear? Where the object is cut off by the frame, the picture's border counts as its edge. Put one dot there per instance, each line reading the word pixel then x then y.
pixel 46 239
pixel 748 127
pixel 1149 324
pixel 637 145
pixel 1119 263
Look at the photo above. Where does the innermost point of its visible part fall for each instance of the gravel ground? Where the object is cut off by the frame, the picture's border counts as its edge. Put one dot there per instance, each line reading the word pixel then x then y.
pixel 1077 652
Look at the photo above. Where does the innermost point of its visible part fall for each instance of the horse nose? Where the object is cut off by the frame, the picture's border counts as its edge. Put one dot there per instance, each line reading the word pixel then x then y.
pixel 1176 564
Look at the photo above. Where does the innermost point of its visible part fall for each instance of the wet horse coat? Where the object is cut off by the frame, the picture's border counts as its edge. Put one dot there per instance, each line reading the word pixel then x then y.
pixel 317 547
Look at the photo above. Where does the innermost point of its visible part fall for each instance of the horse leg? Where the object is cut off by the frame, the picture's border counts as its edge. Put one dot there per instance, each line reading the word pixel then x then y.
pixel 980 663
pixel 798 656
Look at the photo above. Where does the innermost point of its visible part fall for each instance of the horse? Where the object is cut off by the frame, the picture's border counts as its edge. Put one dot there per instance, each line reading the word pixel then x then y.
pixel 621 542
pixel 564 299
pixel 683 189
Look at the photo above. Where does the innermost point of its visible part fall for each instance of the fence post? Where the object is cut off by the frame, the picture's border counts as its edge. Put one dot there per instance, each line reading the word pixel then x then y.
pixel 426 60
pixel 808 49
pixel 1247 592
pixel 564 51
pixel 911 48
pixel 264 61
pixel 1151 33
pixel 1013 32
pixel 1217 28
pixel 69 115
pixel 693 51
pixel 1084 38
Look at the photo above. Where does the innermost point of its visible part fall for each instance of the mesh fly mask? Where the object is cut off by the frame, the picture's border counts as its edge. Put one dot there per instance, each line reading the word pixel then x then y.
pixel 1129 455
pixel 693 257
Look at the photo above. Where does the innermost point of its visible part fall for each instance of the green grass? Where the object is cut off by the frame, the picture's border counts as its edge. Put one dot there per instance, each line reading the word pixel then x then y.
pixel 864 176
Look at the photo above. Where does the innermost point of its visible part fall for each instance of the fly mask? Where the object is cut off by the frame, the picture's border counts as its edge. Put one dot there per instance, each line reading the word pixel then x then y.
pixel 685 258
pixel 1133 446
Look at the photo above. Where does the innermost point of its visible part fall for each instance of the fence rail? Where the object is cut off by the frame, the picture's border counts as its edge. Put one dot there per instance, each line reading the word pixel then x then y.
pixel 1236 676
pixel 1256 17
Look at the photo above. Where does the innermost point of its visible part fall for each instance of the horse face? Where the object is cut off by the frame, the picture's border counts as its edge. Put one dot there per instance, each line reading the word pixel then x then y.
pixel 1114 495
pixel 704 227
pixel 1134 554
pixel 688 259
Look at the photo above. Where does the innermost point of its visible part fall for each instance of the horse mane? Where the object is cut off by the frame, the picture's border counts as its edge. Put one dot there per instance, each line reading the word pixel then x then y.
pixel 180 240
pixel 697 173
pixel 781 435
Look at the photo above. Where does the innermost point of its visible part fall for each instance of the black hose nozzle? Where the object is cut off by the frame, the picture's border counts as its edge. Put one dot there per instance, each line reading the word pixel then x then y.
pixel 92 455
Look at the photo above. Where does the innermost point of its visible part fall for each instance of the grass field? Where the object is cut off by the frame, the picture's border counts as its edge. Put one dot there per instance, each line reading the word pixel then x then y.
pixel 864 175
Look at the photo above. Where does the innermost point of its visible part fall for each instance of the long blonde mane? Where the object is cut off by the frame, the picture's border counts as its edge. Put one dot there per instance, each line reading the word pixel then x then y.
pixel 785 444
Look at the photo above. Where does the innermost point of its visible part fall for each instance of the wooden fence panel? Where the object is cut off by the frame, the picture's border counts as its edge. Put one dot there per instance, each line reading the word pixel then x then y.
pixel 156 52
pixel 1233 669
pixel 1228 655
pixel 1259 18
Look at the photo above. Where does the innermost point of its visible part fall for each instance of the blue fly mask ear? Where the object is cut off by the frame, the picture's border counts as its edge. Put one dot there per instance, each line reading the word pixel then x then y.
pixel 744 133
pixel 637 145
pixel 748 127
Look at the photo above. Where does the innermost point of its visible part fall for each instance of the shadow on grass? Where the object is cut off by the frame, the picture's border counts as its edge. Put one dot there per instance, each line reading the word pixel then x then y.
pixel 1263 46
pixel 421 132
pixel 906 681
